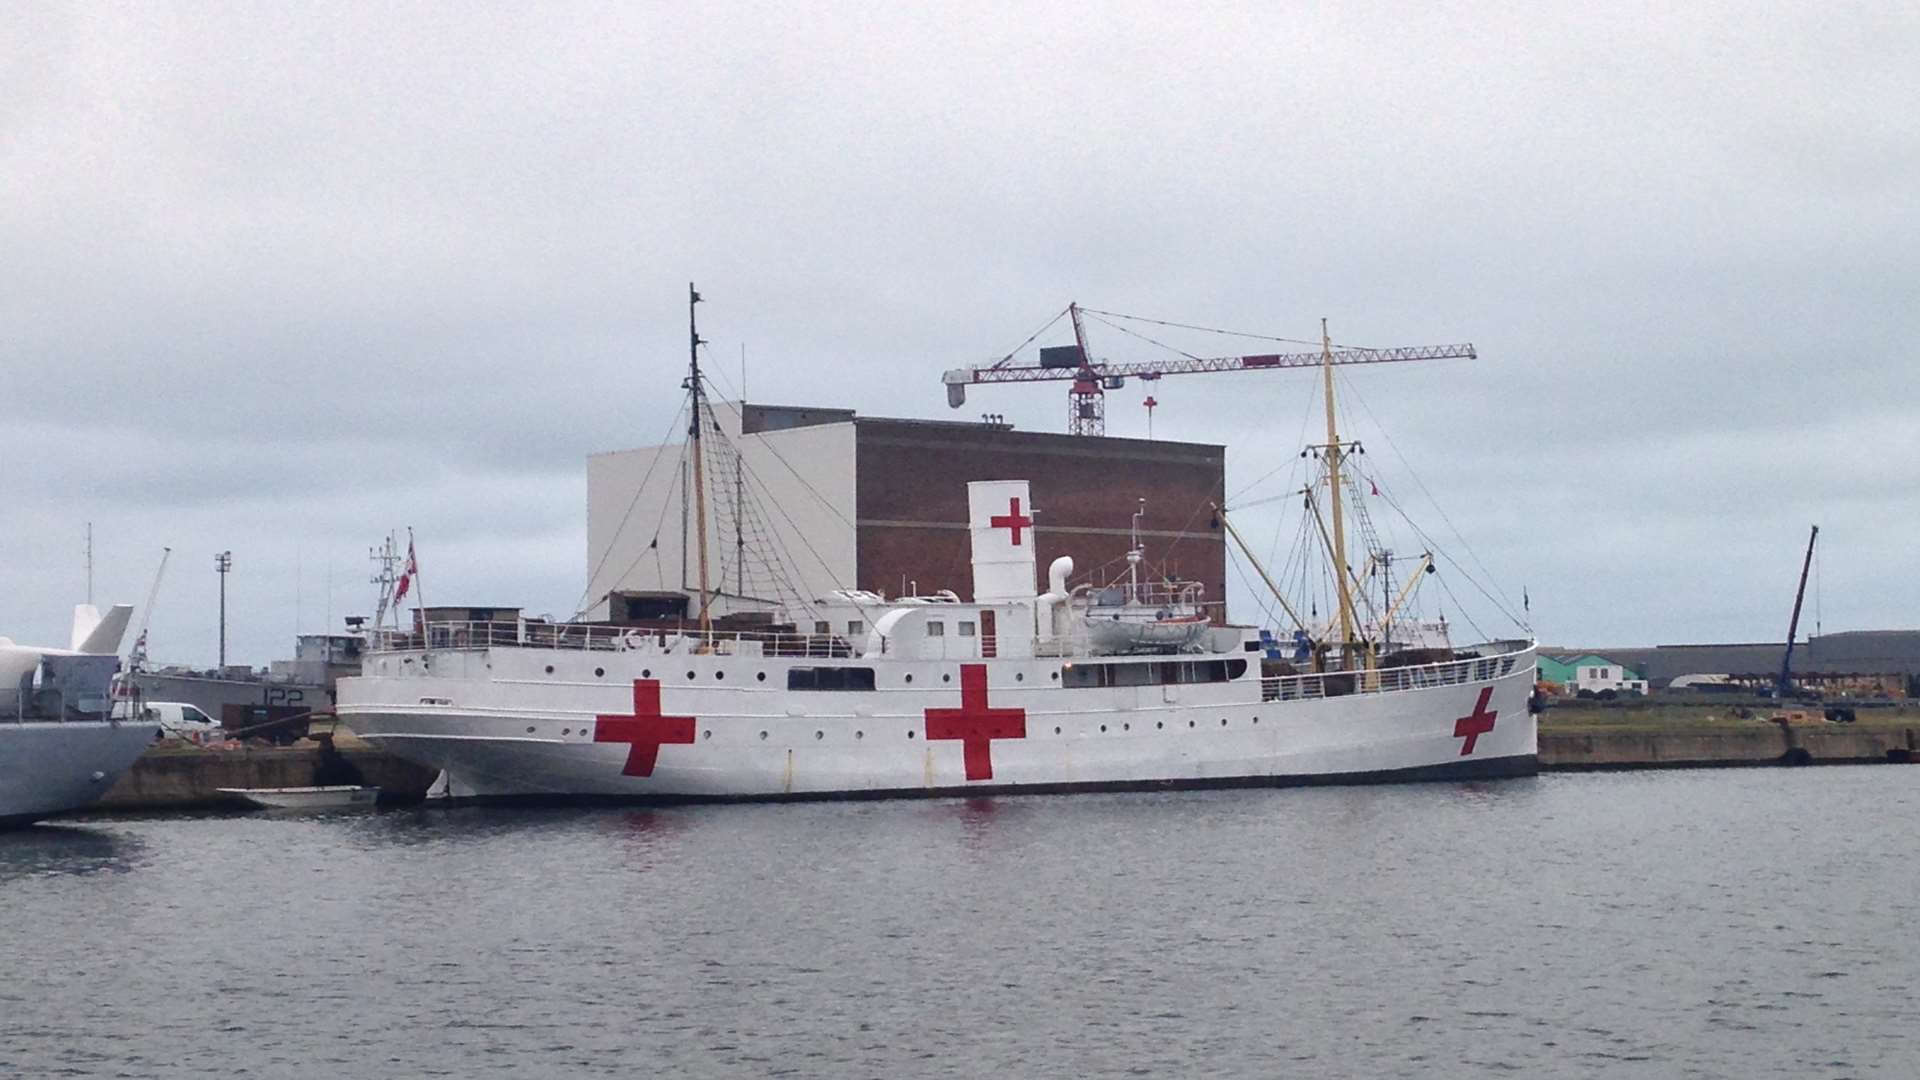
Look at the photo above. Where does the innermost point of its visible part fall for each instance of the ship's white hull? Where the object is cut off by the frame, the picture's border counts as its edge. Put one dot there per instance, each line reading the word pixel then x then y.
pixel 49 768
pixel 525 722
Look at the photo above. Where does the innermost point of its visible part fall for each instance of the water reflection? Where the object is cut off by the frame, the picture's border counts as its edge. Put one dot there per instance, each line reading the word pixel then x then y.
pixel 65 850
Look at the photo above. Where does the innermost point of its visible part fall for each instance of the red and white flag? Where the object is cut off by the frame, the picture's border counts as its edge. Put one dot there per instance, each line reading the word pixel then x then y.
pixel 406 576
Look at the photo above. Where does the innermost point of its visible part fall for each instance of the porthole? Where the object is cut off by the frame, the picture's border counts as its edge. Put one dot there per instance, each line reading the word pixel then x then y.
pixel 1056 676
pixel 1189 723
pixel 946 678
pixel 1158 724
pixel 549 668
pixel 566 731
pixel 1019 676
pixel 689 674
pixel 763 735
pixel 1223 721
pixel 1256 719
pixel 819 735
pixel 599 673
pixel 645 673
pixel 1126 727
pixel 762 676
pixel 707 734
pixel 529 731
pixel 909 678
pixel 719 675
pixel 909 734
pixel 1103 729
pixel 859 734
pixel 1056 731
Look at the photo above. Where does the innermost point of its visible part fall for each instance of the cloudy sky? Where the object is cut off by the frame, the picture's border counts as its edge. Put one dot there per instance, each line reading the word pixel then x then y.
pixel 278 279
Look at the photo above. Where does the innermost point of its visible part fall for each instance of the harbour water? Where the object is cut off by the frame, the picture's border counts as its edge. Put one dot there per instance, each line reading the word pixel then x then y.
pixel 1737 923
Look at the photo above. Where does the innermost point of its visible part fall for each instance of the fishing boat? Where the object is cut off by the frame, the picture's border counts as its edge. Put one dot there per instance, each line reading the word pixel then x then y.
pixel 1026 685
pixel 60 745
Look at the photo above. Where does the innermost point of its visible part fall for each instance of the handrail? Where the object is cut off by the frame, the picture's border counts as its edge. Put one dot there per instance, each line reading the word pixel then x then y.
pixel 1388 680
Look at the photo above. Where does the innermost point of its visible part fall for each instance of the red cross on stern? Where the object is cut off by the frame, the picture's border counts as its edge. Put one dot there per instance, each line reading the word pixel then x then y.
pixel 646 729
pixel 974 724
pixel 1012 519
pixel 1477 724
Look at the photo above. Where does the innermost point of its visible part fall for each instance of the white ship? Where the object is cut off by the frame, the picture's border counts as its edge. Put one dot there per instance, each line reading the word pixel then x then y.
pixel 1010 691
pixel 60 748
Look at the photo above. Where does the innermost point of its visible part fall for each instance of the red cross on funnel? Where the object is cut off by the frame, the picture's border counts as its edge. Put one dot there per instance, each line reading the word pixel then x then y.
pixel 1473 726
pixel 976 725
pixel 646 729
pixel 1012 519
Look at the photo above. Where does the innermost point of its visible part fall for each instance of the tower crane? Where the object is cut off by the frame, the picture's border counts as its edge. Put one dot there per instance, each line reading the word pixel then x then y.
pixel 1091 378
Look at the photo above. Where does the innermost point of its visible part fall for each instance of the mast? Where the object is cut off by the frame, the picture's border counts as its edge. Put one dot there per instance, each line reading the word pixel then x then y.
pixel 699 475
pixel 1333 491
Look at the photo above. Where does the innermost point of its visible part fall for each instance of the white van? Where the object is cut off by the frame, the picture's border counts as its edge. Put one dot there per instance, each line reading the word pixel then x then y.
pixel 179 720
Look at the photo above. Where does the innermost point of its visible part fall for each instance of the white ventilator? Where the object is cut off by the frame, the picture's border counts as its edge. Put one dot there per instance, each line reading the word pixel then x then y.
pixel 1000 514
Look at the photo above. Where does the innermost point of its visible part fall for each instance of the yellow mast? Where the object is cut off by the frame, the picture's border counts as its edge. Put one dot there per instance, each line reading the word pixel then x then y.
pixel 1340 570
pixel 699 475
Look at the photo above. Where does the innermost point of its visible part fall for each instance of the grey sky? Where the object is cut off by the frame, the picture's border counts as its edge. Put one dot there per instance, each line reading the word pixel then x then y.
pixel 279 279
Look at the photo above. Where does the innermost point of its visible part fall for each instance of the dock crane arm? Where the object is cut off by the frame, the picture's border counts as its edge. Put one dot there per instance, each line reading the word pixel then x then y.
pixel 1092 378
pixel 1783 685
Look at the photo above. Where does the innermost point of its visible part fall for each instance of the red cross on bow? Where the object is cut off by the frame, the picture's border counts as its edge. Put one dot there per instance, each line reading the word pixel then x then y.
pixel 974 724
pixel 1012 519
pixel 1473 726
pixel 646 729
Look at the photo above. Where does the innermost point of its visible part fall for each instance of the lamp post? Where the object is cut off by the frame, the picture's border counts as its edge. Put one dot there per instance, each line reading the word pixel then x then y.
pixel 222 564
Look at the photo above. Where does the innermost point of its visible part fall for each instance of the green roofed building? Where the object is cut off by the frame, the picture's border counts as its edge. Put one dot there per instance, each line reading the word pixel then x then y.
pixel 1589 671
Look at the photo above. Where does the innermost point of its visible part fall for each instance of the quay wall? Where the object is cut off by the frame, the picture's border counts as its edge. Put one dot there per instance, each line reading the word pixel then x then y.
pixel 1758 742
pixel 181 778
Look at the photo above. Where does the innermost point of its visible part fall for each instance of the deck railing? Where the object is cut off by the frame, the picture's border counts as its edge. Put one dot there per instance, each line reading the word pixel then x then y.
pixel 1387 680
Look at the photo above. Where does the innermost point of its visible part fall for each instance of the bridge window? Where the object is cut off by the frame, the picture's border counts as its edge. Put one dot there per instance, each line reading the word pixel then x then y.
pixel 830 678
pixel 936 629
pixel 966 628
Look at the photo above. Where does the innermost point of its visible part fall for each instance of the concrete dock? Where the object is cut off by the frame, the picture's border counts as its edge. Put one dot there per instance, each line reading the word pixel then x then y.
pixel 1646 736
pixel 181 777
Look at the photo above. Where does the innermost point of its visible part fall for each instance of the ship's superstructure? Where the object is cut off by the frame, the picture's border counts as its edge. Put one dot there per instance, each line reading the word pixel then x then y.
pixel 60 747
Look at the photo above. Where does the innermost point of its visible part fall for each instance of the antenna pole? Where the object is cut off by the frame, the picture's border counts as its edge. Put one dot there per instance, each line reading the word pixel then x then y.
pixel 699 473
pixel 89 562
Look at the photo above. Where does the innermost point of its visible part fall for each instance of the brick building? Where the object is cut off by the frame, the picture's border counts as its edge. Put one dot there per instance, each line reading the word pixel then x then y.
pixel 826 500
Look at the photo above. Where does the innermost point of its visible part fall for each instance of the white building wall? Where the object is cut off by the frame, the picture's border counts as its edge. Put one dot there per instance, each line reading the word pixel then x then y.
pixel 802 478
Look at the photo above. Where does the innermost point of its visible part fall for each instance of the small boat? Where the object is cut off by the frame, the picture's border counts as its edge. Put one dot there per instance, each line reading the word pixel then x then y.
pixel 331 797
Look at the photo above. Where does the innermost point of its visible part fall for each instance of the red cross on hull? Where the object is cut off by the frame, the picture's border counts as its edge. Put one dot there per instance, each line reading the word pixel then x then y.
pixel 1013 519
pixel 974 723
pixel 1476 724
pixel 646 729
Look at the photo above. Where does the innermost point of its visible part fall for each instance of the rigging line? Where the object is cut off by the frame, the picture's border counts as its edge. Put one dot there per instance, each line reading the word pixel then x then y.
pixel 654 546
pixel 1030 339
pixel 808 544
pixel 1442 553
pixel 638 490
pixel 1205 329
pixel 1441 510
pixel 782 459
pixel 1462 609
pixel 1142 337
